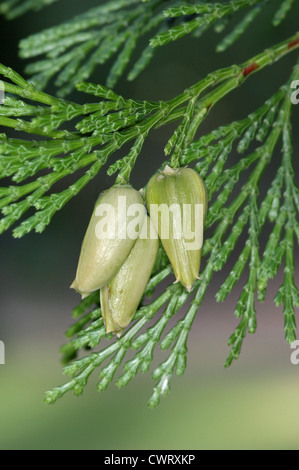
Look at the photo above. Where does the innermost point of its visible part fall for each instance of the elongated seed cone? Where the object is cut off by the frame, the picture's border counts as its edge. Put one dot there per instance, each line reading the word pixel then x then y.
pixel 115 225
pixel 177 203
pixel 121 297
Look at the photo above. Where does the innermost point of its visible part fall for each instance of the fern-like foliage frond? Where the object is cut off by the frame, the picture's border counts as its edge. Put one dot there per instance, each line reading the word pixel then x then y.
pixel 246 201
pixel 227 220
pixel 202 15
pixel 114 121
pixel 14 8
pixel 102 128
pixel 73 50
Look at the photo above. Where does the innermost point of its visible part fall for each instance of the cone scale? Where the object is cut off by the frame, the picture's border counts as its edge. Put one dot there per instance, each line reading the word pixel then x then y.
pixel 102 254
pixel 181 195
pixel 121 296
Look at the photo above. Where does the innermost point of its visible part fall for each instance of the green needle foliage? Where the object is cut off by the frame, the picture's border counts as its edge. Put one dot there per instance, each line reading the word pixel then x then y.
pixel 65 137
pixel 74 49
pixel 14 8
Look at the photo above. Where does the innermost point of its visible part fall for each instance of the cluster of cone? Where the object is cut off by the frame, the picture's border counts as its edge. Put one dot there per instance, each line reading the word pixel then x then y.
pixel 120 267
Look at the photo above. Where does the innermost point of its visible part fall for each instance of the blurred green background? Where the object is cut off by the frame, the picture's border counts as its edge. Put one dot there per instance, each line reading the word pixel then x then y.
pixel 253 405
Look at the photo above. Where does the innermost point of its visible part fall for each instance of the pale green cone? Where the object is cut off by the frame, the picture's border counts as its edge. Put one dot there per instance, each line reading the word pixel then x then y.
pixel 108 241
pixel 179 187
pixel 121 297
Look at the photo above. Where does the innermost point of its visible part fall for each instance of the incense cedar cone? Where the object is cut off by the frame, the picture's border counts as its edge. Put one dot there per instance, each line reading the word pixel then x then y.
pixel 111 235
pixel 179 197
pixel 121 297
